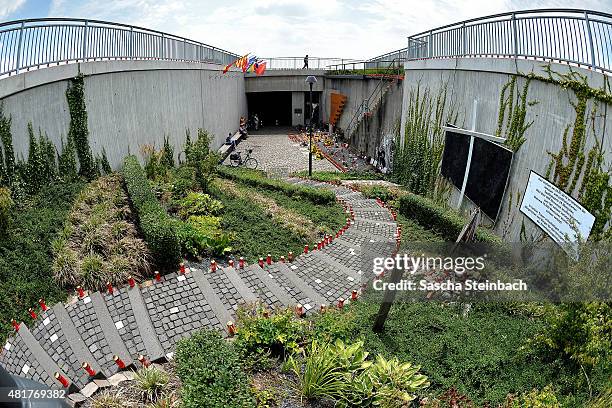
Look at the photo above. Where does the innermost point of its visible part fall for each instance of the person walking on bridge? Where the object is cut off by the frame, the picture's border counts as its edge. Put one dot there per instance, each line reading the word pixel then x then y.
pixel 305 62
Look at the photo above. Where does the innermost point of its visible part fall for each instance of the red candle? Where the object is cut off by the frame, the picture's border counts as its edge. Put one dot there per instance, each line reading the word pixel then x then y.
pixel 32 313
pixel 89 370
pixel 43 305
pixel 132 282
pixel 119 362
pixel 62 380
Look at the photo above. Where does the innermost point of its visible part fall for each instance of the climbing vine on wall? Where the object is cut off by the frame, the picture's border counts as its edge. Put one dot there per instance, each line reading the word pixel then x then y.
pixel 581 173
pixel 511 122
pixel 7 157
pixel 78 131
pixel 416 162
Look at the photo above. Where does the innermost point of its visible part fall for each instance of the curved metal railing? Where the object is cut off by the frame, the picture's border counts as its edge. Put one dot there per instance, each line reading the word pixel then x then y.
pixel 572 36
pixel 298 62
pixel 35 43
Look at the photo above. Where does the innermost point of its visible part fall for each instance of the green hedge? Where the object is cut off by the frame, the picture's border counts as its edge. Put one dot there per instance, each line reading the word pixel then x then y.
pixel 443 220
pixel 211 373
pixel 257 178
pixel 337 176
pixel 158 228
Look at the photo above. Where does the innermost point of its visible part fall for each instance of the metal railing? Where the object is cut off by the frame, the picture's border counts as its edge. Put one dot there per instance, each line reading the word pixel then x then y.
pixel 383 64
pixel 577 37
pixel 36 43
pixel 298 62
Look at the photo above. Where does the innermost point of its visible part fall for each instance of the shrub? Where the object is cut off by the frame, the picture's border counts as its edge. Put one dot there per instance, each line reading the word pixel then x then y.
pixel 258 179
pixel 150 381
pixel 202 159
pixel 198 204
pixel 336 176
pixel 444 221
pixel 278 334
pixel 6 203
pixel 157 227
pixel 202 233
pixel 579 331
pixel 99 243
pixel 211 372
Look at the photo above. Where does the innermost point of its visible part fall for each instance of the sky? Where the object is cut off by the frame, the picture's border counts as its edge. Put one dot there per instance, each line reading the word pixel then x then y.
pixel 322 28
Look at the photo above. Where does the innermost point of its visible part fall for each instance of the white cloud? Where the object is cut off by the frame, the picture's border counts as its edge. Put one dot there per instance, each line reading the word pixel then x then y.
pixel 7 7
pixel 327 28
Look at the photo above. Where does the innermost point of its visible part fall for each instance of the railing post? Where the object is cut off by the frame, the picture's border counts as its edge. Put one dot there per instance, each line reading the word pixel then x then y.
pixel 464 48
pixel 163 46
pixel 515 35
pixel 18 62
pixel 430 45
pixel 590 37
pixel 131 54
pixel 84 49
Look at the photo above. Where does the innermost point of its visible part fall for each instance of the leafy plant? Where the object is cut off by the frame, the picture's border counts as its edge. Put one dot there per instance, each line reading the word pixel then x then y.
pixel 263 332
pixel 211 372
pixel 67 161
pixel 7 160
pixel 150 381
pixel 198 204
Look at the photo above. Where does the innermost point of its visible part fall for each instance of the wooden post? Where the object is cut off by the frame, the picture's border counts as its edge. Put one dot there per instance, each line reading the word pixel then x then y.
pixel 388 298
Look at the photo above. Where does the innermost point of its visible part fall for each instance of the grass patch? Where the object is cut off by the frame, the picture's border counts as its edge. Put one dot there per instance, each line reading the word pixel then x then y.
pixel 257 231
pixel 258 179
pixel 478 354
pixel 25 253
pixel 99 242
pixel 254 232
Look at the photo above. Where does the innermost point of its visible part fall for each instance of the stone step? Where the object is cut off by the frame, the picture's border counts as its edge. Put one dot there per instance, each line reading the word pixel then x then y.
pixel 324 279
pixel 234 278
pixel 306 295
pixel 37 359
pixel 110 330
pixel 177 307
pixel 70 347
pixel 265 287
pixel 325 257
pixel 84 316
pixel 130 314
pixel 347 254
pixel 231 296
pixel 211 296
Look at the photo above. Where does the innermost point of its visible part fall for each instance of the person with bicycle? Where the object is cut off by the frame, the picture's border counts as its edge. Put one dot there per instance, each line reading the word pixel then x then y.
pixel 248 162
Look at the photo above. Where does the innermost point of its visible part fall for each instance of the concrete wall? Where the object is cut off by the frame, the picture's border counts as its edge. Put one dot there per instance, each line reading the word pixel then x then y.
pixel 378 129
pixel 284 80
pixel 129 103
pixel 297 102
pixel 482 80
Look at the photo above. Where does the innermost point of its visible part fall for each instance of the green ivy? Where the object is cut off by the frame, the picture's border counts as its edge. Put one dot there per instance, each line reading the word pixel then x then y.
pixel 515 106
pixel 78 130
pixel 571 168
pixel 7 163
pixel 66 161
pixel 416 163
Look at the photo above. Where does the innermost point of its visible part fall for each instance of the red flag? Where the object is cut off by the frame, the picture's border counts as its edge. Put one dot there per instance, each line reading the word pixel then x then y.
pixel 228 66
pixel 239 63
pixel 260 68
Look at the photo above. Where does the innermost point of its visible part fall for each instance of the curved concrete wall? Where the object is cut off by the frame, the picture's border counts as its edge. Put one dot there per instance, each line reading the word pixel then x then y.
pixel 482 80
pixel 129 103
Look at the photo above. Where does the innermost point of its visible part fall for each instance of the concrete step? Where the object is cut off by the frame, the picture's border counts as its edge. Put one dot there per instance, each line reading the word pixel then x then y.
pixel 300 290
pixel 325 280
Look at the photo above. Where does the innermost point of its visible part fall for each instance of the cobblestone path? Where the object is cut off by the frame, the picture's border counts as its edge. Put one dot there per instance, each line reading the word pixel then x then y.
pixel 110 331
pixel 276 153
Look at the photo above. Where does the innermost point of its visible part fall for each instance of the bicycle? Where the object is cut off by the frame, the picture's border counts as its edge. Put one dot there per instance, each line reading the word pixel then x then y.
pixel 248 162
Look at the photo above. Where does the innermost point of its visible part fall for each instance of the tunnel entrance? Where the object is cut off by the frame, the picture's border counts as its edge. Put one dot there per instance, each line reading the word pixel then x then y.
pixel 271 107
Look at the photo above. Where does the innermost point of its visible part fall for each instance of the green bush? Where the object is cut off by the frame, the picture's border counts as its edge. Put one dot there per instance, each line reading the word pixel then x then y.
pixel 442 220
pixel 258 179
pixel 336 176
pixel 158 228
pixel 279 333
pixel 198 204
pixel 211 372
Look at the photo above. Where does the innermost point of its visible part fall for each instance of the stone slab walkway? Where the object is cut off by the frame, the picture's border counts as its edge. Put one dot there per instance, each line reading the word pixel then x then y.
pixel 148 319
